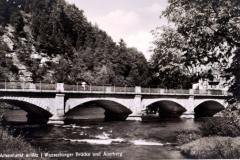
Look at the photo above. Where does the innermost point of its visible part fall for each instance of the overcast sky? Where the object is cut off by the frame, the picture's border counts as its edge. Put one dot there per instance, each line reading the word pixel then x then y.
pixel 131 20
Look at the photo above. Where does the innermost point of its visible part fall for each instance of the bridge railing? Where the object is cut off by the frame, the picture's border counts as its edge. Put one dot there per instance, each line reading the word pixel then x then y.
pixel 210 92
pixel 182 91
pixel 97 88
pixel 164 91
pixel 90 88
pixel 150 90
pixel 105 89
pixel 45 86
pixel 68 87
pixel 15 85
pixel 27 85
pixel 177 91
pixel 120 89
pixel 146 90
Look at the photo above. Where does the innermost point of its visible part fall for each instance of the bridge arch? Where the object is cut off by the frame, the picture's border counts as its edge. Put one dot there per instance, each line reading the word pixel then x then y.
pixel 166 108
pixel 28 101
pixel 115 109
pixel 37 112
pixel 209 108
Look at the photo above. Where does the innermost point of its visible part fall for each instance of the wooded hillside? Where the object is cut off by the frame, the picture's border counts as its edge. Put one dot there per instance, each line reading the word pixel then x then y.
pixel 52 41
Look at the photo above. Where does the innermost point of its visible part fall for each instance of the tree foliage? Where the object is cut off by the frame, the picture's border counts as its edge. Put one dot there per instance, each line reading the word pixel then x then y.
pixel 210 33
pixel 76 49
pixel 167 62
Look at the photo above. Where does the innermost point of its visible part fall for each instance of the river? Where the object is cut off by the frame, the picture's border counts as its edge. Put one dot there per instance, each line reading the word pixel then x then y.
pixel 152 139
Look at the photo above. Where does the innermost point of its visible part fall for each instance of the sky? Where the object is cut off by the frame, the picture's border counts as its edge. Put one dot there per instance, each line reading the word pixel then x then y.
pixel 131 20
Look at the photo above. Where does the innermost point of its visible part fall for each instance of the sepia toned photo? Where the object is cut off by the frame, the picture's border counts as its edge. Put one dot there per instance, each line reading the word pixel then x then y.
pixel 119 79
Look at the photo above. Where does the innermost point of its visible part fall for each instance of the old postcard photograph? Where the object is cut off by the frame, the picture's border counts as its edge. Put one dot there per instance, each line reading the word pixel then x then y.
pixel 119 79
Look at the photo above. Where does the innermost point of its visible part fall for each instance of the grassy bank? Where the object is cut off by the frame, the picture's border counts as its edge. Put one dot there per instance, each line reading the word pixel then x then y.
pixel 213 147
pixel 218 138
pixel 14 145
pixel 8 143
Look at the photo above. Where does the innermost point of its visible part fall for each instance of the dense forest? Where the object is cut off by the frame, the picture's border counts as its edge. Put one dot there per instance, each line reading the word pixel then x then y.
pixel 54 42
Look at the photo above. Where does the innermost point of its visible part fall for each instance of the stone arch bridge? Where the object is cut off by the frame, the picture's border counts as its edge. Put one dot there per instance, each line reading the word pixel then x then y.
pixel 49 103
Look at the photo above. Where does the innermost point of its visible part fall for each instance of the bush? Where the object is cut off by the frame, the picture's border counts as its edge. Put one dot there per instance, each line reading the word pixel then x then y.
pixel 226 149
pixel 187 137
pixel 213 147
pixel 229 125
pixel 14 145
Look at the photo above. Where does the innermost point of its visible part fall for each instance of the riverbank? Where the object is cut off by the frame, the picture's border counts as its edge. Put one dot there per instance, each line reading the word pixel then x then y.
pixel 9 144
pixel 219 138
pixel 14 145
pixel 213 147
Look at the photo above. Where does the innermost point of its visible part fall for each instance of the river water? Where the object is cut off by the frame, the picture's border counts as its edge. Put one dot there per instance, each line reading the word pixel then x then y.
pixel 151 139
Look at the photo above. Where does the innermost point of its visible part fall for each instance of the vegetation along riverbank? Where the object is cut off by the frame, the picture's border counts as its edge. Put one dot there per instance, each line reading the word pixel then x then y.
pixel 15 145
pixel 219 138
pixel 12 145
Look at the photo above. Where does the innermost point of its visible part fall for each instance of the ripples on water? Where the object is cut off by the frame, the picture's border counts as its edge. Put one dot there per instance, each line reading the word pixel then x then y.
pixel 134 139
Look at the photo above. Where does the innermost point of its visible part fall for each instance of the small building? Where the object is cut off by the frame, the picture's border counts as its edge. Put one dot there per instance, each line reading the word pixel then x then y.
pixel 212 79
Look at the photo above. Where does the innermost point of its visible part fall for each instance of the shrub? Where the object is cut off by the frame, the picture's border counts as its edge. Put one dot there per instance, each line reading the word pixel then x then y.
pixel 14 145
pixel 226 149
pixel 213 147
pixel 229 125
pixel 187 137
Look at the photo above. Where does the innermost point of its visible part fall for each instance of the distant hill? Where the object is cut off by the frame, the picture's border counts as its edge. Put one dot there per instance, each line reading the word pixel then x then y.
pixel 52 41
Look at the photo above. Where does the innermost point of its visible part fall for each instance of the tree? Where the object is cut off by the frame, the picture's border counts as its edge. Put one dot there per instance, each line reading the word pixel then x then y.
pixel 61 71
pixel 139 71
pixel 166 64
pixel 211 31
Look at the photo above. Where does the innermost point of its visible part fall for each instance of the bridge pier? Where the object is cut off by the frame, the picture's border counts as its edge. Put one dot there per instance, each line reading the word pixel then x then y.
pixel 190 108
pixel 58 116
pixel 137 109
pixel 188 115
